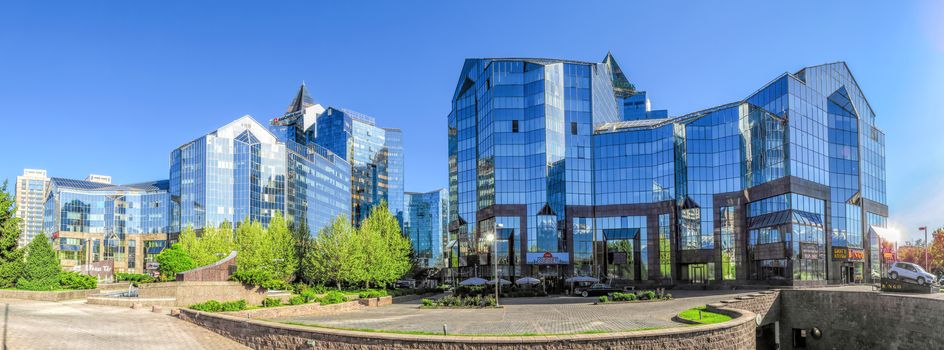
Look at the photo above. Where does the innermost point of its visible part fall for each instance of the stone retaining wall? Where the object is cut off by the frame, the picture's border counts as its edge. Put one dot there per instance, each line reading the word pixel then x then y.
pixel 765 303
pixel 862 319
pixel 736 334
pixel 311 309
pixel 218 271
pixel 46 296
pixel 192 292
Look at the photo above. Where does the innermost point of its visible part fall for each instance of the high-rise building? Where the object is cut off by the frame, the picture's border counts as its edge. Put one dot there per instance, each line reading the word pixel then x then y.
pixel 234 173
pixel 245 170
pixel 318 184
pixel 29 197
pixel 92 221
pixel 376 157
pixel 424 222
pixel 567 163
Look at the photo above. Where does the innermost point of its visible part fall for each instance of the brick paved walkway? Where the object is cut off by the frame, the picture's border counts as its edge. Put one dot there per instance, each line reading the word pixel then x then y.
pixel 555 315
pixel 76 325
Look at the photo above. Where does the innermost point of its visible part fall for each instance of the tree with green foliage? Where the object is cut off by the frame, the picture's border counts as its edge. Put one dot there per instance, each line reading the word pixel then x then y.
pixel 388 250
pixel 42 269
pixel 11 256
pixel 265 254
pixel 212 246
pixel 302 240
pixel 332 257
pixel 173 260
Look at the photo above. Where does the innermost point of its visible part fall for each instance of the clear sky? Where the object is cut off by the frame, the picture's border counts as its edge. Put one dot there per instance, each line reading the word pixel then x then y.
pixel 112 87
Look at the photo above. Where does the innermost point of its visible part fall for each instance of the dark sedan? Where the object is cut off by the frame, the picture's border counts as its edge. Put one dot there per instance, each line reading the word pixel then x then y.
pixel 597 289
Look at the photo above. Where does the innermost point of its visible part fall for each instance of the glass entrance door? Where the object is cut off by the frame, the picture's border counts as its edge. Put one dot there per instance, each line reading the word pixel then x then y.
pixel 698 273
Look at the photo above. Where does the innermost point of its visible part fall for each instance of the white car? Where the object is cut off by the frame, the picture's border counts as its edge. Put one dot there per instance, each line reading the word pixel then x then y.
pixel 910 271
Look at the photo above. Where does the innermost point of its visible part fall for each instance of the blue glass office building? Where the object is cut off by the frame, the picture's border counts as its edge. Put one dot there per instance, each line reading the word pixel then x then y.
pixel 376 157
pixel 93 221
pixel 425 223
pixel 245 170
pixel 568 164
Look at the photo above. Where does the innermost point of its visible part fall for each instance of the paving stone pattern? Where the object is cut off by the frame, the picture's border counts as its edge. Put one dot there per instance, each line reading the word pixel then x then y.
pixel 76 325
pixel 557 315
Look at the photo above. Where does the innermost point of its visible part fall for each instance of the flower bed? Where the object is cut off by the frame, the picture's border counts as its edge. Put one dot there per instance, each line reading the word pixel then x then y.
pixel 460 302
pixel 641 296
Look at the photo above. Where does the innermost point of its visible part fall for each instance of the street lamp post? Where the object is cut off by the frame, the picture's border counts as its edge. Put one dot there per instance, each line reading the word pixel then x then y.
pixel 494 238
pixel 926 247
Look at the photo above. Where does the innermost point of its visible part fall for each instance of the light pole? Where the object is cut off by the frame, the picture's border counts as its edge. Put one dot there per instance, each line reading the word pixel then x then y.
pixel 925 229
pixel 494 238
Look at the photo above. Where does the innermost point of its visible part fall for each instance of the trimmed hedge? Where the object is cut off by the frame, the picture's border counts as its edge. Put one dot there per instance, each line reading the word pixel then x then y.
pixel 216 306
pixel 75 280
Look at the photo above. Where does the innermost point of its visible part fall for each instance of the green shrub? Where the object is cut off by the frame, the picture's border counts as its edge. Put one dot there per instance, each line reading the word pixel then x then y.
pixel 333 297
pixel 428 302
pixel 75 280
pixel 133 277
pixel 208 306
pixel 42 266
pixel 309 295
pixel 604 299
pixel 296 300
pixel 372 293
pixel 275 284
pixel 667 296
pixel 623 296
pixel 237 305
pixel 648 295
pixel 271 302
pixel 319 289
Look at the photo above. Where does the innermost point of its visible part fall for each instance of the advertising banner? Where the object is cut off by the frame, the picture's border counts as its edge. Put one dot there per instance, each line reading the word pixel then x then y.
pixel 548 258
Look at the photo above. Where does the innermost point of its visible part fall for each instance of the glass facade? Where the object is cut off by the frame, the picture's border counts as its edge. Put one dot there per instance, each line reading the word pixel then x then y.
pixel 425 224
pixel 573 150
pixel 375 155
pixel 93 221
pixel 245 171
pixel 235 173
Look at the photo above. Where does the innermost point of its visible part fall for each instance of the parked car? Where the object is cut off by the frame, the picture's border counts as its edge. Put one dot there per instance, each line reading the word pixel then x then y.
pixel 909 271
pixel 596 289
pixel 405 284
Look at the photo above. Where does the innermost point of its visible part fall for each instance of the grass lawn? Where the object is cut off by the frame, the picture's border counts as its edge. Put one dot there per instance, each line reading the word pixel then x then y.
pixel 706 316
pixel 370 330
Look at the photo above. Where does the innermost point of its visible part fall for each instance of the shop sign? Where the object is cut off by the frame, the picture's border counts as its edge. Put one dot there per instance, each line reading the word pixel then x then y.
pixel 844 253
pixel 840 253
pixel 152 266
pixel 810 251
pixel 856 254
pixel 548 258
pixel 103 270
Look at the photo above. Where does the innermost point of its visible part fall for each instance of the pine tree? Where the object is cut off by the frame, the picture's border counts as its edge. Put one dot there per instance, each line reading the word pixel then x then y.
pixel 11 256
pixel 42 266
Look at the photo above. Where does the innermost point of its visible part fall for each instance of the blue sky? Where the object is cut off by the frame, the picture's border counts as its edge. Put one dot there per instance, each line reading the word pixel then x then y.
pixel 113 87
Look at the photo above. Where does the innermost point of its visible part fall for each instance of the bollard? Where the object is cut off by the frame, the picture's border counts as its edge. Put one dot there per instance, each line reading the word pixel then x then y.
pixel 156 308
pixel 699 314
pixel 175 312
pixel 445 332
pixel 136 306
